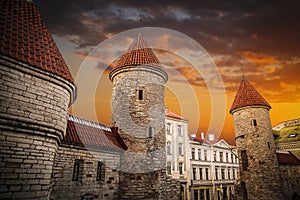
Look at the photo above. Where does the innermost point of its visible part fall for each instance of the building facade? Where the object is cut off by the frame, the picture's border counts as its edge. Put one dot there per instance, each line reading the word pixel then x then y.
pixel 177 141
pixel 213 168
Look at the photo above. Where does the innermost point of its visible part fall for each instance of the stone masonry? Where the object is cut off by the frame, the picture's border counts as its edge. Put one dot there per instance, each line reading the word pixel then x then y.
pixel 87 185
pixel 34 106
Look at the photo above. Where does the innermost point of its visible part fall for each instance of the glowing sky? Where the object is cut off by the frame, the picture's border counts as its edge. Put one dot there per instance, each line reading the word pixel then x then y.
pixel 260 37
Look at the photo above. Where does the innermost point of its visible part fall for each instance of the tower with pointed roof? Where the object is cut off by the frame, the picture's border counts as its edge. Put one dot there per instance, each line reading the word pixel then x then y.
pixel 35 93
pixel 259 170
pixel 138 112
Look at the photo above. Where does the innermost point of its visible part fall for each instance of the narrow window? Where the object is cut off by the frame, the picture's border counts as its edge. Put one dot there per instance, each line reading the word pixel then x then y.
pixel 206 174
pixel 180 149
pixel 254 122
pixel 150 132
pixel 169 170
pixel 216 173
pixel 199 154
pixel 168 128
pixel 244 159
pixel 100 171
pixel 180 168
pixel 200 174
pixel 140 94
pixel 169 152
pixel 77 170
pixel 205 154
pixel 193 154
pixel 223 173
pixel 269 145
pixel 221 156
pixel 179 130
pixel 194 174
pixel 244 190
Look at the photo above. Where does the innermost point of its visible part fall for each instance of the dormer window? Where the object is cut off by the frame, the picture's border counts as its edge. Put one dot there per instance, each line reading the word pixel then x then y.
pixel 293 135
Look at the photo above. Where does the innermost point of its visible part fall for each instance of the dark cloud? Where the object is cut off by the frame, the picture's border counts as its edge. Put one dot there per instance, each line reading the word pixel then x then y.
pixel 220 26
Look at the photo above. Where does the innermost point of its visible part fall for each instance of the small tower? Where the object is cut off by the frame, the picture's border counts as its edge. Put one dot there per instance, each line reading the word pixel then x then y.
pixel 138 112
pixel 259 170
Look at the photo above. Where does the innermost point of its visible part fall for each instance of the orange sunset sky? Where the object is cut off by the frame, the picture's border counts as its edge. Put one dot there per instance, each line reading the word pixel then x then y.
pixel 259 38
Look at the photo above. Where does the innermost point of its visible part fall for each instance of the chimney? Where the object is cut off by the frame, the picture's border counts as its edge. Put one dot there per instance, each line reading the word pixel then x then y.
pixel 211 137
pixel 202 136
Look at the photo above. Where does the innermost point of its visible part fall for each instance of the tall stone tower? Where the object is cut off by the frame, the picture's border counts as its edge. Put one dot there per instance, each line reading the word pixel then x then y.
pixel 258 165
pixel 138 112
pixel 35 93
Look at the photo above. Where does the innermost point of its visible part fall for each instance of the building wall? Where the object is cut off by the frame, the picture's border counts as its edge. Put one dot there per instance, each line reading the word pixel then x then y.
pixel 290 179
pixel 204 166
pixel 87 185
pixel 259 171
pixel 178 166
pixel 33 116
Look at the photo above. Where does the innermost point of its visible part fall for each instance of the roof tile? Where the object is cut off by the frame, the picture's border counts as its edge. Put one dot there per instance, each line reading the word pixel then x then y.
pixel 139 53
pixel 24 37
pixel 247 96
pixel 84 132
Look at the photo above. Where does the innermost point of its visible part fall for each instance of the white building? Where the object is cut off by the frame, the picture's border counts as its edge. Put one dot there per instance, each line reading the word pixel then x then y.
pixel 177 141
pixel 213 168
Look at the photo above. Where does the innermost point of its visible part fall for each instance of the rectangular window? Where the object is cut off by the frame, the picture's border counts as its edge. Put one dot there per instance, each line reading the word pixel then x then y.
pixel 168 128
pixel 180 168
pixel 100 171
pixel 221 156
pixel 180 149
pixel 200 174
pixel 206 174
pixel 193 153
pixel 199 154
pixel 140 94
pixel 205 154
pixel 169 152
pixel 216 173
pixel 232 158
pixel 254 122
pixel 228 171
pixel 194 174
pixel 179 130
pixel 244 159
pixel 169 170
pixel 227 157
pixel 207 194
pixel 223 173
pixel 150 131
pixel 202 197
pixel 77 170
pixel 215 156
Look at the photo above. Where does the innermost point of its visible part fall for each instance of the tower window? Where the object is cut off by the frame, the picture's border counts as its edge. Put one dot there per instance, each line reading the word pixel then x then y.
pixel 254 122
pixel 150 131
pixel 244 159
pixel 269 145
pixel 140 94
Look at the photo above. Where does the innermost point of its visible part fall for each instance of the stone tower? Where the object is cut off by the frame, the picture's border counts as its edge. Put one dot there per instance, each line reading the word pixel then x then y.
pixel 259 170
pixel 138 112
pixel 36 90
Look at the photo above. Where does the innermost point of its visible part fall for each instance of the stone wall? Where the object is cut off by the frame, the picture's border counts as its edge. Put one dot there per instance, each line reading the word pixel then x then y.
pixel 258 165
pixel 87 184
pixel 33 116
pixel 290 179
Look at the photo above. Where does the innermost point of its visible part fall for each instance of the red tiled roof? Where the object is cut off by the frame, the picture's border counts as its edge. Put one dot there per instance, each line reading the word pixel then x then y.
pixel 23 36
pixel 84 132
pixel 247 96
pixel 139 53
pixel 287 159
pixel 168 113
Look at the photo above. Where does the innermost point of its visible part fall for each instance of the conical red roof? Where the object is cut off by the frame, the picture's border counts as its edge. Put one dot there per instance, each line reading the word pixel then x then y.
pixel 247 96
pixel 139 53
pixel 24 37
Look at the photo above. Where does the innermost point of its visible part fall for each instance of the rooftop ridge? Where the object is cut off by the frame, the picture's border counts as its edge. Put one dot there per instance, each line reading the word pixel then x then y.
pixel 247 95
pixel 88 123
